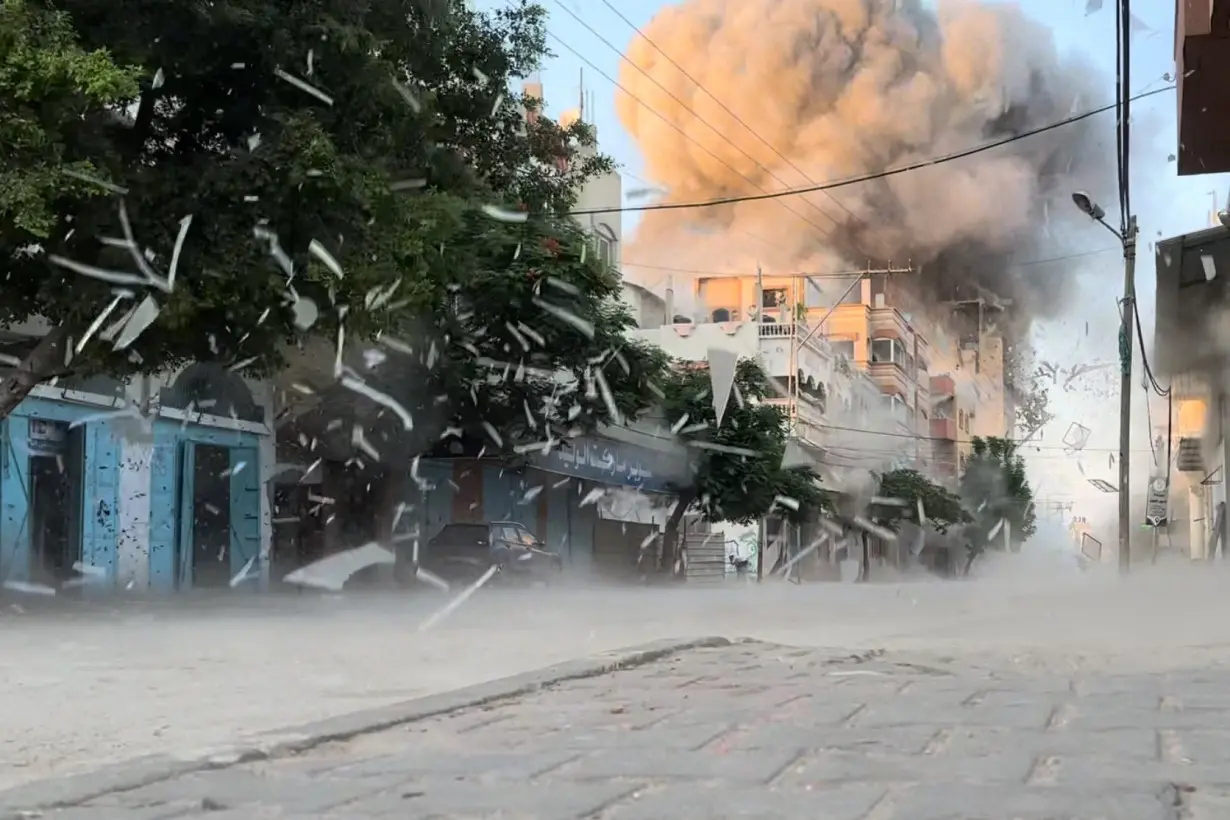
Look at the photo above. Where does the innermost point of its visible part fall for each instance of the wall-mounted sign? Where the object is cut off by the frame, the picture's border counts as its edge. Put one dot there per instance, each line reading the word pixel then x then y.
pixel 610 462
pixel 47 438
pixel 1158 501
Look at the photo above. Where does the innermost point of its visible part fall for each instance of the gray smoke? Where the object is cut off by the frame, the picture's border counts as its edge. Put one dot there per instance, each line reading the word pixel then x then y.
pixel 843 88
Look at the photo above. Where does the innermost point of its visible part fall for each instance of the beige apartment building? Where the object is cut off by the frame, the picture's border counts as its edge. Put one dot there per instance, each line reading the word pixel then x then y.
pixel 918 383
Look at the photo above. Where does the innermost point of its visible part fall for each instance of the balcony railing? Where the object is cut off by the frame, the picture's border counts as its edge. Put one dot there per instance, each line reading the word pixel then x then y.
pixel 800 331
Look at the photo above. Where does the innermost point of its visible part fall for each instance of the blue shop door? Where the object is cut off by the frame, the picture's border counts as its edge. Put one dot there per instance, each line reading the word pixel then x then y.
pixel 100 499
pixel 245 511
pixel 186 509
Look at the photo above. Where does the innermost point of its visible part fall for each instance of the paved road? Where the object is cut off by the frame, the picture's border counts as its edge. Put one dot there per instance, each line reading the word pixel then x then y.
pixel 758 730
pixel 81 691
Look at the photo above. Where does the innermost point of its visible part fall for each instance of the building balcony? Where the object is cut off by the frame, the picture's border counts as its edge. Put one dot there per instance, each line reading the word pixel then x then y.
pixel 1192 274
pixel 776 346
pixel 890 378
pixel 1202 63
pixel 944 429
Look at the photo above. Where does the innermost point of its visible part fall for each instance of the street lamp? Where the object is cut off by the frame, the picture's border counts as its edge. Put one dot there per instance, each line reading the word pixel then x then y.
pixel 1127 239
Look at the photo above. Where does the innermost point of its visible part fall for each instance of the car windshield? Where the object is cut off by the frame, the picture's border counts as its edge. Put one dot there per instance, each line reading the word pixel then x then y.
pixel 461 536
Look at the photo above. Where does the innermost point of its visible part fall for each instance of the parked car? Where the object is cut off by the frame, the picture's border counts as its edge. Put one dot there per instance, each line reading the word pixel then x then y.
pixel 461 553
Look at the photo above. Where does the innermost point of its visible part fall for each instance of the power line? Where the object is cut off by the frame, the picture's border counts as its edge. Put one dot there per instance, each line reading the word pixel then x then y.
pixel 722 105
pixel 1012 266
pixel 682 133
pixel 919 437
pixel 686 107
pixel 841 183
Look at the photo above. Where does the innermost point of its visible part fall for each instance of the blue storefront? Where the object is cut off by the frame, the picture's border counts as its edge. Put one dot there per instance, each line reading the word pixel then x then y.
pixel 547 494
pixel 90 492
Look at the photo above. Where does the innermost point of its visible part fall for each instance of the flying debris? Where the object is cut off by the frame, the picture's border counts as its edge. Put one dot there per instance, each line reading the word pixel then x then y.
pixel 331 573
pixel 461 598
pixel 722 366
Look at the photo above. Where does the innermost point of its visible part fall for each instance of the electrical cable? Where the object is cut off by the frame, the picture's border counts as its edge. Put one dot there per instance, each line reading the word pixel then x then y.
pixel 682 133
pixel 723 106
pixel 889 172
pixel 685 106
pixel 1028 263
pixel 1144 360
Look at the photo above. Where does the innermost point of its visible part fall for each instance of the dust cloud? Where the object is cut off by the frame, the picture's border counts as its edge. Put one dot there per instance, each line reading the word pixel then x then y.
pixel 818 90
pixel 108 682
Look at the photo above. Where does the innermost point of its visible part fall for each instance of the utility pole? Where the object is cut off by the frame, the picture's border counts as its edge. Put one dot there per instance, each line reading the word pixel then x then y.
pixel 1127 238
pixel 1125 394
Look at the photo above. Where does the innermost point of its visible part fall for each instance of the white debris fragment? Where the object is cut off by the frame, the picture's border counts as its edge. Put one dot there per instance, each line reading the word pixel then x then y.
pixel 184 225
pixel 29 588
pixel 568 317
pixel 306 312
pixel 320 252
pixel 138 322
pixel 245 574
pixel 93 180
pixel 504 214
pixel 303 85
pixel 786 501
pixel 461 598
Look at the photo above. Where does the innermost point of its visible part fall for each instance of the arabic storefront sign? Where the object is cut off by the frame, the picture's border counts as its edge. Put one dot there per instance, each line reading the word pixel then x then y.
pixel 1159 498
pixel 610 462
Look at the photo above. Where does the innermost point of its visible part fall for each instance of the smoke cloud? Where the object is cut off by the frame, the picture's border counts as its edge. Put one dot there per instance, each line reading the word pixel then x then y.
pixel 843 88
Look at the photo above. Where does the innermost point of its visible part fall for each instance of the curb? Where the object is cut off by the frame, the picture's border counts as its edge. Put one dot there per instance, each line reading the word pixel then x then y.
pixel 74 790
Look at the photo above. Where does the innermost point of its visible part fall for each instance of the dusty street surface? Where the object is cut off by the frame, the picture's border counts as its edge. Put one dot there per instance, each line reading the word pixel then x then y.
pixel 763 731
pixel 78 692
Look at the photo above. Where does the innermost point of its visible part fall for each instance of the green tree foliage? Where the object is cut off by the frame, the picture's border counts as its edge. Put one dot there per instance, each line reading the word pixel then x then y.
pixel 994 487
pixel 737 472
pixel 322 151
pixel 941 506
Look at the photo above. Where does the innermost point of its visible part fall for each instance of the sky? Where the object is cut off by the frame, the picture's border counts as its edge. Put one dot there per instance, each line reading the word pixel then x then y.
pixel 1166 205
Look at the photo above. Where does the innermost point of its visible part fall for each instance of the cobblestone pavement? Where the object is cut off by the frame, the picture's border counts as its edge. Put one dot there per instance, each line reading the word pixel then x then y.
pixel 762 731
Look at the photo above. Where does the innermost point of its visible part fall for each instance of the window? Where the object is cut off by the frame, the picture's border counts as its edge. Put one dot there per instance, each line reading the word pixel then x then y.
pixel 853 297
pixel 525 537
pixel 773 298
pixel 961 420
pixel 844 347
pixel 882 351
pixel 721 315
pixel 606 250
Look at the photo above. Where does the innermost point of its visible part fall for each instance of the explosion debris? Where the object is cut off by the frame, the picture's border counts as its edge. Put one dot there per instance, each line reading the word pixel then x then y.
pixel 840 88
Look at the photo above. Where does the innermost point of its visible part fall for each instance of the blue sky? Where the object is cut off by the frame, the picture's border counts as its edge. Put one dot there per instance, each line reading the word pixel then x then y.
pixel 1166 205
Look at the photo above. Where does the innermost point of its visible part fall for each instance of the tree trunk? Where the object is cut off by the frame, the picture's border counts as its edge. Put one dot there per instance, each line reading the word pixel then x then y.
pixel 670 564
pixel 43 363
pixel 864 573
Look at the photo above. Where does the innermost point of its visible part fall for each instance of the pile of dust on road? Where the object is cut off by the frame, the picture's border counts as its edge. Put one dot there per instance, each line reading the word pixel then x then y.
pixel 84 691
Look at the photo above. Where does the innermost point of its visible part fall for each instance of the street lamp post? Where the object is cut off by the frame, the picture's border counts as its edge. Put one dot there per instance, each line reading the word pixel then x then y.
pixel 1128 239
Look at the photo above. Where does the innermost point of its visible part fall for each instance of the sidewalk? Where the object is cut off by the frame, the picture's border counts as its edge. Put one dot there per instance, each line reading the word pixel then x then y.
pixel 757 730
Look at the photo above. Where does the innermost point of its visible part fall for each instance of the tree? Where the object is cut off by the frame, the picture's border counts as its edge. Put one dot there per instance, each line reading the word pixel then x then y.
pixel 941 506
pixel 995 488
pixel 305 170
pixel 736 466
pixel 1026 386
pixel 48 85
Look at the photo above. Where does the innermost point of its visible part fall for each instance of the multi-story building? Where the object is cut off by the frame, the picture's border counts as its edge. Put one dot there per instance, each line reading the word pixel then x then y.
pixel 1202 62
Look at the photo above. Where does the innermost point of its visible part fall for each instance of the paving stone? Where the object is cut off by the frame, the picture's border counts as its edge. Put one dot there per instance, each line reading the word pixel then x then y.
pixel 759 731
pixel 719 801
pixel 973 741
pixel 995 802
pixel 458 799
pixel 236 787
pixel 832 767
pixel 492 766
pixel 736 766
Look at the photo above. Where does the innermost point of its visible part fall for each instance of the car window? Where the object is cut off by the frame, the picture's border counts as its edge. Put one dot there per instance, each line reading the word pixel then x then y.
pixel 527 538
pixel 508 534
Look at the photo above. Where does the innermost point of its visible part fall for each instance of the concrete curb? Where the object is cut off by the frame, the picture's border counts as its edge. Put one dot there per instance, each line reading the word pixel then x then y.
pixel 133 774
